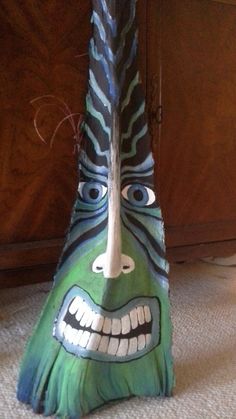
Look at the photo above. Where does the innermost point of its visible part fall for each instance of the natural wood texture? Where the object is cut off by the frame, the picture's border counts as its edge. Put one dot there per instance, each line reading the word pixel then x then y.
pixel 197 147
pixel 40 47
pixel 201 250
pixel 44 51
pixel 199 233
pixel 25 276
pixel 154 80
pixel 13 256
pixel 38 266
pixel 187 54
pixel 40 43
pixel 231 2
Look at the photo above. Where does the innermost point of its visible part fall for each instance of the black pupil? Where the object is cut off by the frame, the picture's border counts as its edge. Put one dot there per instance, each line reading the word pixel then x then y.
pixel 93 193
pixel 138 195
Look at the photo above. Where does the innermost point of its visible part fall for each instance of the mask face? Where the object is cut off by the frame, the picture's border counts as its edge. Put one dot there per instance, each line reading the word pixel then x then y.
pixel 105 331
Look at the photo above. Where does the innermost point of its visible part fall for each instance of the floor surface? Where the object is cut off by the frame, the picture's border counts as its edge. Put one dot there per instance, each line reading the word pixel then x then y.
pixel 203 298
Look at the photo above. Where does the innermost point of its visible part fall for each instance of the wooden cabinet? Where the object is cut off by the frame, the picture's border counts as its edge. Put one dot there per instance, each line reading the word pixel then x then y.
pixel 40 44
pixel 44 51
pixel 188 60
pixel 192 70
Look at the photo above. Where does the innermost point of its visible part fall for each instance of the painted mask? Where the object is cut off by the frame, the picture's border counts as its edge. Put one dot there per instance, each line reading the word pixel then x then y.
pixel 105 331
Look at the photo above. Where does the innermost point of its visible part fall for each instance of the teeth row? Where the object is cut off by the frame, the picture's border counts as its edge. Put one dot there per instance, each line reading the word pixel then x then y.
pixel 89 318
pixel 105 344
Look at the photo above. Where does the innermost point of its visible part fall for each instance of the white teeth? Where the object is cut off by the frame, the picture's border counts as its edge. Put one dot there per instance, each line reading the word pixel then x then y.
pixel 73 334
pixel 97 322
pixel 133 346
pixel 148 339
pixel 115 326
pixel 75 305
pixel 141 342
pixel 134 318
pixel 68 333
pixel 107 326
pixel 84 339
pixel 87 318
pixel 81 310
pixel 123 347
pixel 61 327
pixel 106 330
pixel 141 318
pixel 113 346
pixel 77 337
pixel 147 314
pixel 103 345
pixel 93 342
pixel 90 319
pixel 125 324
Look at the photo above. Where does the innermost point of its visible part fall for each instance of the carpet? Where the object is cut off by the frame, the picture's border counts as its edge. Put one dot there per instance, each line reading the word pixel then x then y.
pixel 203 299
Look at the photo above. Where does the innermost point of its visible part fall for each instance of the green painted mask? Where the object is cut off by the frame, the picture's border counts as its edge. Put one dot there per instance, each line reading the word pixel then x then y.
pixel 105 331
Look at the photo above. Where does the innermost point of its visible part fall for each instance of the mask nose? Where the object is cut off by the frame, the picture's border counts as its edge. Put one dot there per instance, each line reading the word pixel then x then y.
pixel 113 262
pixel 100 265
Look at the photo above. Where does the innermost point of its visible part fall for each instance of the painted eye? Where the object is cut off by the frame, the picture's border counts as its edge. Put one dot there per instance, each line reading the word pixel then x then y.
pixel 138 195
pixel 92 192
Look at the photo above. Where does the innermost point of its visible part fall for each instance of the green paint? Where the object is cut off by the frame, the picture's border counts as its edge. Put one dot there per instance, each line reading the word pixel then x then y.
pixel 80 385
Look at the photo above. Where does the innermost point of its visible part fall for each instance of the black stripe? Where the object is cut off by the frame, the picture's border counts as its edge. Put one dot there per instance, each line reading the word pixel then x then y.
pixel 153 242
pixel 157 269
pixel 88 210
pixel 93 232
pixel 143 213
pixel 146 181
pixel 80 220
pixel 141 172
pixel 93 174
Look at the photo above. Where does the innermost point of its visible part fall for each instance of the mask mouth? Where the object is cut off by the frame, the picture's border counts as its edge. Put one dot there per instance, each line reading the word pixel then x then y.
pixel 88 330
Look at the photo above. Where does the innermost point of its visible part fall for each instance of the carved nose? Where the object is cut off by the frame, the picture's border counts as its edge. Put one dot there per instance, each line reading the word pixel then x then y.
pixel 100 264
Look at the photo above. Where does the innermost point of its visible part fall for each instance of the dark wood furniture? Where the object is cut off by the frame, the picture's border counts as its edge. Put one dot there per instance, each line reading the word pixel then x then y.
pixel 188 62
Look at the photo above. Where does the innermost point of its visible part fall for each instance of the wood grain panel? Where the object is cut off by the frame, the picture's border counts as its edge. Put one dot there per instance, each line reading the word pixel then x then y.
pixel 40 47
pixel 201 250
pixel 25 276
pixel 230 2
pixel 39 260
pixel 27 254
pixel 198 141
pixel 154 81
pixel 44 51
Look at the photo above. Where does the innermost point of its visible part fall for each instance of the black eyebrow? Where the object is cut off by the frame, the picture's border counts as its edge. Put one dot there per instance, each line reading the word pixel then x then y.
pixel 83 166
pixel 88 179
pixel 140 180
pixel 139 171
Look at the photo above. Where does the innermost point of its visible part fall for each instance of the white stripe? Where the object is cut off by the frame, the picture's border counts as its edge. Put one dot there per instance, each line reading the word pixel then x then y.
pixel 132 85
pixel 134 118
pixel 93 83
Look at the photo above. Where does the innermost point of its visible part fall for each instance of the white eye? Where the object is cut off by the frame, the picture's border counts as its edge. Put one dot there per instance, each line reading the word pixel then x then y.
pixel 80 187
pixel 104 190
pixel 138 195
pixel 92 192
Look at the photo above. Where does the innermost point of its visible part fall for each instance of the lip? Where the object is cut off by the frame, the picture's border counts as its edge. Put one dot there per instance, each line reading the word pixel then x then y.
pixel 87 330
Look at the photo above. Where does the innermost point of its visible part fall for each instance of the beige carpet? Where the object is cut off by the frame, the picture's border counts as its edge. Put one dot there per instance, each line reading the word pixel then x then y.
pixel 203 299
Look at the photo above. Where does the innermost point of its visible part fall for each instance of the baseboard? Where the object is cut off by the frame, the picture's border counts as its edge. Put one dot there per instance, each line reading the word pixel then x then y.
pixel 198 251
pixel 26 263
pixel 196 234
pixel 10 278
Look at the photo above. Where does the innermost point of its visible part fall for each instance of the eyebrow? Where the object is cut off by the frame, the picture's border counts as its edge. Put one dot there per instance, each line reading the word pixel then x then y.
pixel 139 179
pixel 96 178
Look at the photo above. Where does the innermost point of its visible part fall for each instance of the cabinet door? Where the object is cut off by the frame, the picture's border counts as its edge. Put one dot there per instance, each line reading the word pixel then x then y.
pixel 40 44
pixel 193 62
pixel 44 51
